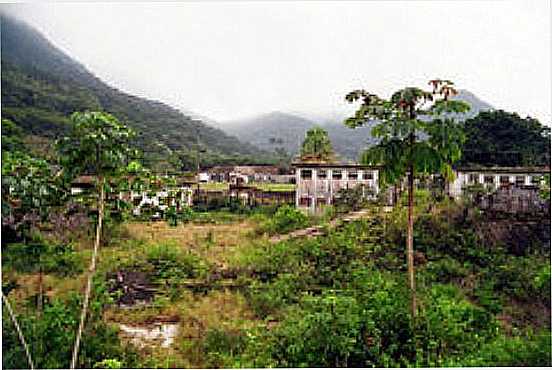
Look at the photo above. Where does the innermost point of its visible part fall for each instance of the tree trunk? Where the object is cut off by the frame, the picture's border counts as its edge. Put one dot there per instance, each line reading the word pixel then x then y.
pixel 18 329
pixel 91 272
pixel 410 240
pixel 40 288
pixel 410 230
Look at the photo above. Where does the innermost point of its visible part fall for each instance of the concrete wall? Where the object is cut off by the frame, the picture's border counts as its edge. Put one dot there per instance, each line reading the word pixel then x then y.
pixel 324 183
pixel 489 178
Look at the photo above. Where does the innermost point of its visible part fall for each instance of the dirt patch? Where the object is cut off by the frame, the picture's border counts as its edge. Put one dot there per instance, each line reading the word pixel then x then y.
pixel 160 334
pixel 132 287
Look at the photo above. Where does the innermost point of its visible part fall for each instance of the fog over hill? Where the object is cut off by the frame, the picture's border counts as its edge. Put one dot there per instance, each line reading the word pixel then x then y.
pixel 287 130
pixel 42 86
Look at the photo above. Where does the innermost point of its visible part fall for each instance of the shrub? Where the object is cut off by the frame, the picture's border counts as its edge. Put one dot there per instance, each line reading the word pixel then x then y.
pixel 286 219
pixel 450 324
pixel 51 336
pixel 170 263
pixel 347 200
pixel 324 333
pixel 446 270
pixel 220 345
pixel 59 259
pixel 531 350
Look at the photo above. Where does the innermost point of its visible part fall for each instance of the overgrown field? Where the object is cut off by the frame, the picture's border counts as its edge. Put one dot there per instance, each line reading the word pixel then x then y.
pixel 335 300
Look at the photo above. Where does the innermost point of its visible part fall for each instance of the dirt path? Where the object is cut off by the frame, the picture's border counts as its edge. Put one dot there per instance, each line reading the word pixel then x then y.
pixel 318 230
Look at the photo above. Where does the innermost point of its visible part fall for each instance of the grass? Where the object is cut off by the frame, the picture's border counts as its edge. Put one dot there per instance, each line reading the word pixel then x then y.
pixel 214 243
pixel 273 187
pixel 213 186
pixel 221 186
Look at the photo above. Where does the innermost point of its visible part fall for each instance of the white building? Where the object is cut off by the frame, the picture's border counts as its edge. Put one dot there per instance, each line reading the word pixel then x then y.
pixel 495 177
pixel 318 183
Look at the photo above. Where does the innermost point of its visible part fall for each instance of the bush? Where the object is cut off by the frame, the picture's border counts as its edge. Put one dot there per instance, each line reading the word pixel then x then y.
pixel 532 350
pixel 170 263
pixel 51 336
pixel 450 324
pixel 324 333
pixel 286 219
pixel 220 345
pixel 347 200
pixel 59 259
pixel 446 270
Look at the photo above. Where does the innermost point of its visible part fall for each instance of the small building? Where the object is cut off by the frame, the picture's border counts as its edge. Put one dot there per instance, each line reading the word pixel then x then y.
pixel 318 183
pixel 253 173
pixel 83 184
pixel 496 177
pixel 204 177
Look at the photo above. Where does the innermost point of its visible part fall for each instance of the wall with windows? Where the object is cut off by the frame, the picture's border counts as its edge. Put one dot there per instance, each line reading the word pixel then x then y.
pixel 317 186
pixel 494 179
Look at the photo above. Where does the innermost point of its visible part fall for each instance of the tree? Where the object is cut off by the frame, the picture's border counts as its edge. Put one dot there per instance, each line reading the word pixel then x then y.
pixel 500 138
pixel 400 151
pixel 317 145
pixel 100 145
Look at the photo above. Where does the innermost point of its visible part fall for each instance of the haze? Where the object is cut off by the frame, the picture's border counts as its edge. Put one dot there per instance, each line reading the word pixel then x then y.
pixel 227 60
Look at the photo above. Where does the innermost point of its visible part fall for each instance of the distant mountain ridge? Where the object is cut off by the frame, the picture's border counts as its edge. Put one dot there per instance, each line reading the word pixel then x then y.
pixel 42 86
pixel 278 129
pixel 283 130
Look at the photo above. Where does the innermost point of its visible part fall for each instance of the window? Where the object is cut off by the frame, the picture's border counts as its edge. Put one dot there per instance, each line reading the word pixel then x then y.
pixel 504 179
pixel 353 175
pixel 368 175
pixel 306 174
pixel 488 179
pixel 322 174
pixel 337 175
pixel 473 178
pixel 520 180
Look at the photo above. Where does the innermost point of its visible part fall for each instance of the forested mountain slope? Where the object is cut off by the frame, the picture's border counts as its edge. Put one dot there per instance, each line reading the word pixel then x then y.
pixel 42 86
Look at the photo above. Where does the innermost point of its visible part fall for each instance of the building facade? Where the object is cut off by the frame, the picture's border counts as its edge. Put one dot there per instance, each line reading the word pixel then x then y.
pixel 317 184
pixel 496 177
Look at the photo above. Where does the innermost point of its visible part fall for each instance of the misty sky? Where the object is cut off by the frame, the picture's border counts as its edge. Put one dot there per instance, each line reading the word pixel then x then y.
pixel 227 60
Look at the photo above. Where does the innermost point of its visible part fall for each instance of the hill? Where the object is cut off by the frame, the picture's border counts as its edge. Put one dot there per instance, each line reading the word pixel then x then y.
pixel 284 130
pixel 42 86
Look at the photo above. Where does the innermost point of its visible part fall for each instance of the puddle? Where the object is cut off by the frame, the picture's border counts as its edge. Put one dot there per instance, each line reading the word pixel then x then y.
pixel 156 333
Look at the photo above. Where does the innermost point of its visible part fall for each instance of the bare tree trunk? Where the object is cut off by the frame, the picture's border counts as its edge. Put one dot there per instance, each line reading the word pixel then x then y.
pixel 410 230
pixel 91 272
pixel 410 240
pixel 40 289
pixel 18 329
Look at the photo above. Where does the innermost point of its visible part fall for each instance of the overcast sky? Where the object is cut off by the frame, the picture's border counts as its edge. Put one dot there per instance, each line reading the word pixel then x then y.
pixel 227 60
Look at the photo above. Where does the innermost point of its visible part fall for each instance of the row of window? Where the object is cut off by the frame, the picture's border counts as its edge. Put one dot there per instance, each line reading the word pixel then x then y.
pixel 489 179
pixel 336 175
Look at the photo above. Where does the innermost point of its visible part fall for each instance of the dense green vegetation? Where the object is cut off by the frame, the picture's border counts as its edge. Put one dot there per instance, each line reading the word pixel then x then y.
pixel 333 300
pixel 341 300
pixel 499 138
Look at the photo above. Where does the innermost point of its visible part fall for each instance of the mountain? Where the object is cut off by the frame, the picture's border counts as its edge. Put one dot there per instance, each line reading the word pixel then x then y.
pixel 42 86
pixel 476 105
pixel 284 130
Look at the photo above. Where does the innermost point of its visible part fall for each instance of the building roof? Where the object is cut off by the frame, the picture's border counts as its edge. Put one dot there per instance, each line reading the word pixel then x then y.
pixel 504 169
pixel 333 165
